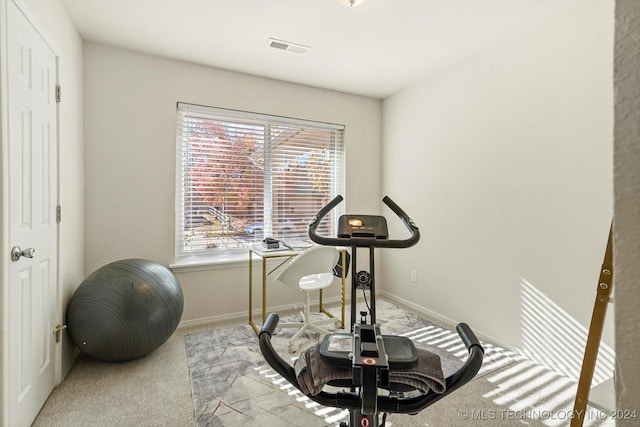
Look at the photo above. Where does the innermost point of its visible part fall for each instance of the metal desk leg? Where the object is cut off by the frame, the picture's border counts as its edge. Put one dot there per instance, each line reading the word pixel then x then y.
pixel 251 322
pixel 342 278
pixel 264 290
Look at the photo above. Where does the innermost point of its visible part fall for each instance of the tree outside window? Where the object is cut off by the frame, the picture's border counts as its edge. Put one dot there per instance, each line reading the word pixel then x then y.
pixel 244 176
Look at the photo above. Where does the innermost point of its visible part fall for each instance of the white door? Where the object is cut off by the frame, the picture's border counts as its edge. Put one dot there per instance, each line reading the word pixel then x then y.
pixel 32 200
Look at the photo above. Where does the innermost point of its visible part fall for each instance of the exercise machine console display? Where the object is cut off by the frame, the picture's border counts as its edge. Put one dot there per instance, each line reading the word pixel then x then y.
pixel 362 226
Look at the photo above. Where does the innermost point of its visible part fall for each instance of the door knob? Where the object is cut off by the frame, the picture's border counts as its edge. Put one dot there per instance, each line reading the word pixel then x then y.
pixel 16 253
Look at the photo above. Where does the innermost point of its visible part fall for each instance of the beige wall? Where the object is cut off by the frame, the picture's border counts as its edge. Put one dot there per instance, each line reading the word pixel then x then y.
pixel 504 162
pixel 130 111
pixel 627 206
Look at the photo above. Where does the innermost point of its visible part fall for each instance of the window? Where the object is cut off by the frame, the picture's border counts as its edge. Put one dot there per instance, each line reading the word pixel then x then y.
pixel 243 176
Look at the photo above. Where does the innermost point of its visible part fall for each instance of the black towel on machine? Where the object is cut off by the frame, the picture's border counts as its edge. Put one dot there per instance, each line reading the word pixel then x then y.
pixel 314 373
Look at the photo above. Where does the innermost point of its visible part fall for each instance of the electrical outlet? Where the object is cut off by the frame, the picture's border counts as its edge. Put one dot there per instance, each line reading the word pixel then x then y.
pixel 414 276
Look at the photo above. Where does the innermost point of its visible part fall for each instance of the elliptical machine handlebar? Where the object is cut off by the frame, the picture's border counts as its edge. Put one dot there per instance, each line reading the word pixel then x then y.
pixel 364 241
pixel 384 403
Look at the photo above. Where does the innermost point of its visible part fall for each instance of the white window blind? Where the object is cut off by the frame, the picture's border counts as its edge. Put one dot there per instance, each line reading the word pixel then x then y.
pixel 244 176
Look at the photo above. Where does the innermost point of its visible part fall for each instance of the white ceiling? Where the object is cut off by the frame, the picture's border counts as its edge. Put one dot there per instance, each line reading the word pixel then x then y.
pixel 375 49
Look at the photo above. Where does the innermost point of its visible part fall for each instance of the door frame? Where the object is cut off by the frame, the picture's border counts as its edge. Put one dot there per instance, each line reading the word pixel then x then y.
pixel 5 244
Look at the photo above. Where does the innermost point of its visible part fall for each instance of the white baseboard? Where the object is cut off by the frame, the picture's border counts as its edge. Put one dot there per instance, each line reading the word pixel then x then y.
pixel 444 320
pixel 289 308
pixel 256 314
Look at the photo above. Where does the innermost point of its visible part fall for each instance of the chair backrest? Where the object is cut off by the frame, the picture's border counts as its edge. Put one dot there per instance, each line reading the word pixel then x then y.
pixel 314 260
pixel 339 269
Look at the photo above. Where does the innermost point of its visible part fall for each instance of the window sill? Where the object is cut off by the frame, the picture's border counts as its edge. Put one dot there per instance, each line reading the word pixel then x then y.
pixel 221 261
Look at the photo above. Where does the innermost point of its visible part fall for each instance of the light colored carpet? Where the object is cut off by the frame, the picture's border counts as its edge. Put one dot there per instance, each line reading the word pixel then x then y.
pixel 150 391
pixel 156 391
pixel 232 384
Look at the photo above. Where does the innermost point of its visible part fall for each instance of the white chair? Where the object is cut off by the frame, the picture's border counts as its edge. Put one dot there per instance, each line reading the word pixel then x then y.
pixel 311 270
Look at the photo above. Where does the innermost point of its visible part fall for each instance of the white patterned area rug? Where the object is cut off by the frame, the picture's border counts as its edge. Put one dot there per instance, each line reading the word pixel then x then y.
pixel 232 385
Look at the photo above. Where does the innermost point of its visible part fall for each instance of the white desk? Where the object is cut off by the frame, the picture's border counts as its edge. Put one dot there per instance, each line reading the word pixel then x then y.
pixel 283 256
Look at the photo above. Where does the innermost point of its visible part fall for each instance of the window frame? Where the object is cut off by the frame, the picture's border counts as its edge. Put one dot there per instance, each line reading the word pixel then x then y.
pixel 212 257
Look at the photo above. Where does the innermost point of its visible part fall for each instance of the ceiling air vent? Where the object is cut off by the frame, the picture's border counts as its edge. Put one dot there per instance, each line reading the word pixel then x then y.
pixel 288 46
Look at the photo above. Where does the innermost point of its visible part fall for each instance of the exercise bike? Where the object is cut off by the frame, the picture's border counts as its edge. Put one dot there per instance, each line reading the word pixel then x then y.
pixel 370 360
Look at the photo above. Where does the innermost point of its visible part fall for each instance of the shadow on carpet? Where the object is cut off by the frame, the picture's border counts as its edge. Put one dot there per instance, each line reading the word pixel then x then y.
pixel 232 384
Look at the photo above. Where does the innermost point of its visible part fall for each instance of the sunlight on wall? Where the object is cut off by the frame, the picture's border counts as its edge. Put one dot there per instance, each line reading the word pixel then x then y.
pixel 555 339
pixel 541 384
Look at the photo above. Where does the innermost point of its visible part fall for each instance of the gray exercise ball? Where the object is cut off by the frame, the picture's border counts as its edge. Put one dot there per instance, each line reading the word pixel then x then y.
pixel 125 310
